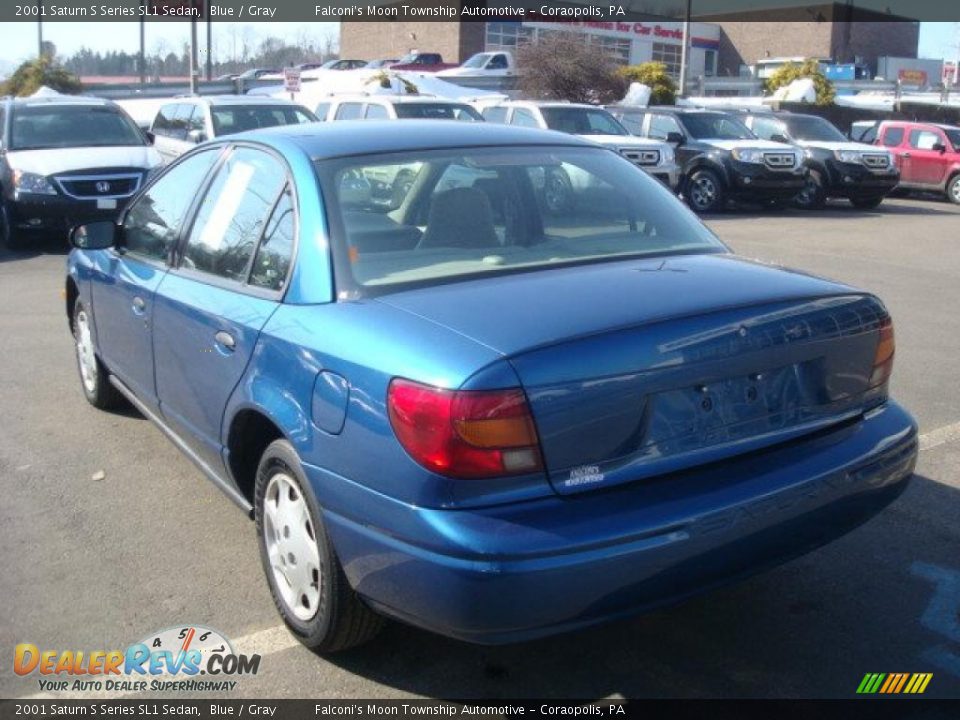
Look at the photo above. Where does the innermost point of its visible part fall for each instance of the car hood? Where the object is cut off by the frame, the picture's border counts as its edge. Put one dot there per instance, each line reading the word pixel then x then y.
pixel 520 312
pixel 855 146
pixel 624 141
pixel 60 160
pixel 751 143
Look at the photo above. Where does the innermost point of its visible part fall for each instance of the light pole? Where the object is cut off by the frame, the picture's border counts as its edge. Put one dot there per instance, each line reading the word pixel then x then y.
pixel 684 53
pixel 40 30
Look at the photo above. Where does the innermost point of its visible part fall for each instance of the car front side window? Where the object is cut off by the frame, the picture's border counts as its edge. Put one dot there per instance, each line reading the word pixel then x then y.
pixel 153 223
pixel 234 214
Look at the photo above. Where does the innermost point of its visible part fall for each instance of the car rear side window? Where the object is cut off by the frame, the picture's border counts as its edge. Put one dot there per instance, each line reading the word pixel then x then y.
pixel 376 112
pixel 234 214
pixel 153 223
pixel 495 114
pixel 523 118
pixel 923 139
pixel 275 253
pixel 350 111
pixel 892 137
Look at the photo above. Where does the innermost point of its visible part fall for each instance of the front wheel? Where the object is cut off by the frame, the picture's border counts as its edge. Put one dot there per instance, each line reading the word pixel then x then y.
pixel 814 195
pixel 704 191
pixel 866 203
pixel 953 190
pixel 306 579
pixel 93 375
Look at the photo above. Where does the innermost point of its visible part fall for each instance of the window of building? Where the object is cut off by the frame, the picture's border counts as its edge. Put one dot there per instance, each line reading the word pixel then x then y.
pixel 616 49
pixel 507 35
pixel 669 55
pixel 710 63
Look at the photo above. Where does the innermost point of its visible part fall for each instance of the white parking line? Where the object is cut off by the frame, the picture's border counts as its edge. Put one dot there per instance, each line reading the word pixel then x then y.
pixel 940 436
pixel 278 638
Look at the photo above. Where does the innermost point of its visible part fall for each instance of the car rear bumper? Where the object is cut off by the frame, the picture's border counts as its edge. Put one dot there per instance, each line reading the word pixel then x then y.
pixel 510 573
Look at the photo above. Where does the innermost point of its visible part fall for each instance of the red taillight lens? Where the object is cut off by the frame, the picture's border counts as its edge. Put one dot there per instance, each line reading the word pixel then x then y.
pixel 883 357
pixel 464 433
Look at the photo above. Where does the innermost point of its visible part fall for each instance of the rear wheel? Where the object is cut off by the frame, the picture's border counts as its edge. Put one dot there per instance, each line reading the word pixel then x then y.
pixel 306 579
pixel 93 375
pixel 866 203
pixel 813 196
pixel 953 190
pixel 704 191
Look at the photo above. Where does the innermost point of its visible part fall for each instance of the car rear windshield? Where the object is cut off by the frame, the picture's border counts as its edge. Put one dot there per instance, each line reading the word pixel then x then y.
pixel 714 126
pixel 240 118
pixel 812 128
pixel 582 121
pixel 427 217
pixel 69 126
pixel 437 111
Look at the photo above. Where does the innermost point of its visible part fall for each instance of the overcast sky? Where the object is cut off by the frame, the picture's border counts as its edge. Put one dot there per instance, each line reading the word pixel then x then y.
pixel 18 41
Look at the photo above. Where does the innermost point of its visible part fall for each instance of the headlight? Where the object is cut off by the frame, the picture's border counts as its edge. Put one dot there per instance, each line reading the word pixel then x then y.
pixel 847 156
pixel 28 182
pixel 748 155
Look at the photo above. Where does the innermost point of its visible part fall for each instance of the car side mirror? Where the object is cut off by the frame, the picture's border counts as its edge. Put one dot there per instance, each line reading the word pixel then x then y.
pixel 94 236
pixel 151 138
pixel 675 138
pixel 780 138
pixel 939 147
pixel 196 136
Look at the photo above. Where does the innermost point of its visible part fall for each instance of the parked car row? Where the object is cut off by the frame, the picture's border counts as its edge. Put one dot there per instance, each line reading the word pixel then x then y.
pixel 69 159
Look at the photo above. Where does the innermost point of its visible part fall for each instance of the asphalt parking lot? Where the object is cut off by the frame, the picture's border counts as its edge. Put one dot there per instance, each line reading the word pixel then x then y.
pixel 100 563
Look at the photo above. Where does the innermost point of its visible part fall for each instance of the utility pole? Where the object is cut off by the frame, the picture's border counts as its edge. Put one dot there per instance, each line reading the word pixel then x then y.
pixel 684 52
pixel 194 70
pixel 40 30
pixel 209 45
pixel 142 60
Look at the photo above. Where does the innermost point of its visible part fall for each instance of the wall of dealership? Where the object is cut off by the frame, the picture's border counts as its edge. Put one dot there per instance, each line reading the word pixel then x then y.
pixel 626 42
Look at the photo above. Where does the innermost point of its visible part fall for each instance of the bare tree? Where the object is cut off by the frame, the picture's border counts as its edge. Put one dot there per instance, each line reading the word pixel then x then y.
pixel 563 66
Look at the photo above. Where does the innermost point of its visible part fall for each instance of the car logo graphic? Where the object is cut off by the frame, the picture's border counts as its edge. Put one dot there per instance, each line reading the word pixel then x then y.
pixel 102 186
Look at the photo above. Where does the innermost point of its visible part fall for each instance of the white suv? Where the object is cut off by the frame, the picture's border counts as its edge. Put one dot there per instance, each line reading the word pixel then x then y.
pixel 593 123
pixel 184 122
pixel 395 107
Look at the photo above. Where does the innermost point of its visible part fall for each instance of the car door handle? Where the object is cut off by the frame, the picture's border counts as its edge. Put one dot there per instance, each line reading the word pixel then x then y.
pixel 905 155
pixel 225 340
pixel 139 305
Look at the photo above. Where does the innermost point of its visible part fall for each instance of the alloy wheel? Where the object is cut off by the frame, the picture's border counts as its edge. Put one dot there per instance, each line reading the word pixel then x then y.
pixel 86 357
pixel 703 192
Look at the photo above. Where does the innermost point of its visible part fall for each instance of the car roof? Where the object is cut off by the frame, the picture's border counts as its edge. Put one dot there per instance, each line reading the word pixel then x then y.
pixel 61 100
pixel 212 100
pixel 395 99
pixel 343 139
pixel 550 104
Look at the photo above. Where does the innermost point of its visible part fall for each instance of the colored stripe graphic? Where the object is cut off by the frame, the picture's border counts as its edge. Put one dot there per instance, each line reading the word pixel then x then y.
pixel 894 683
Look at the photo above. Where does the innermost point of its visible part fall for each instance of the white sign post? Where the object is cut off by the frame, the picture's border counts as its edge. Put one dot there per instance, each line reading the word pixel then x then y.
pixel 291 81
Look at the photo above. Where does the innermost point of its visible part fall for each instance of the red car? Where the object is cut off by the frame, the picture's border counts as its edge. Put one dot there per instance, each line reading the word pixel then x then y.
pixel 422 62
pixel 927 154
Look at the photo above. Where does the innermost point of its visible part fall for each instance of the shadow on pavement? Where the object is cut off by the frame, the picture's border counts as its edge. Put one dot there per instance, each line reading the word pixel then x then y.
pixel 40 246
pixel 811 628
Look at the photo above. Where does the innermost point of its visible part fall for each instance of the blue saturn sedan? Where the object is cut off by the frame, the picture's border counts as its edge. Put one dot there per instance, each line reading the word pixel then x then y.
pixel 447 403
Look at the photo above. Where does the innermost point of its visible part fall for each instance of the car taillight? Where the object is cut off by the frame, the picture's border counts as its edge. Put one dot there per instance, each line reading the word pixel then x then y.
pixel 465 433
pixel 883 357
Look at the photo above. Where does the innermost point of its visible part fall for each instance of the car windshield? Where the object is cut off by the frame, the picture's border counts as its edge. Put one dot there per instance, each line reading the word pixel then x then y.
pixel 428 217
pixel 437 111
pixel 229 119
pixel 714 126
pixel 582 121
pixel 477 61
pixel 67 126
pixel 953 135
pixel 807 127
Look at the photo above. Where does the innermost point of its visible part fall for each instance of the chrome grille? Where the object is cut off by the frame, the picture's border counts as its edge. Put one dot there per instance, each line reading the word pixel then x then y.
pixel 876 161
pixel 779 161
pixel 92 187
pixel 643 158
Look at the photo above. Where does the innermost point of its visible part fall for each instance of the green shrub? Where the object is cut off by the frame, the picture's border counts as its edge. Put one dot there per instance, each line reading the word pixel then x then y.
pixel 663 91
pixel 34 74
pixel 809 69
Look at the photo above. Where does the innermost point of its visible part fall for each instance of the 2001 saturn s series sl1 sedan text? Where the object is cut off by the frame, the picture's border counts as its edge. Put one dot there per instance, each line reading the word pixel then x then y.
pixel 447 404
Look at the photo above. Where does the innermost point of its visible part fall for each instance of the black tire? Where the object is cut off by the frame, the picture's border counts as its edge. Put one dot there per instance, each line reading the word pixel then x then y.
pixel 814 195
pixel 866 203
pixel 953 190
pixel 340 619
pixel 704 192
pixel 11 239
pixel 94 377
